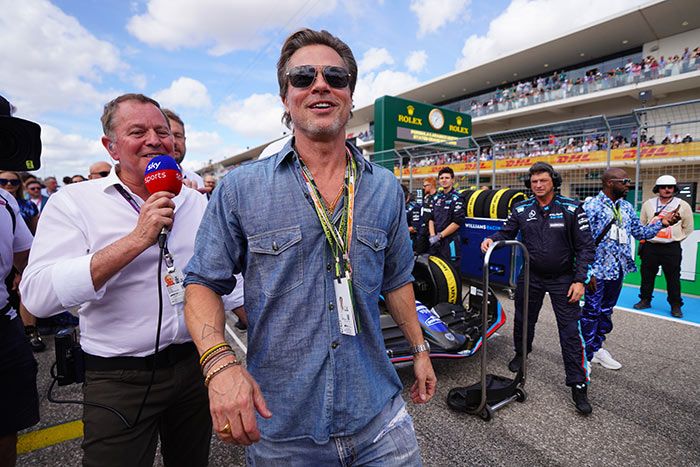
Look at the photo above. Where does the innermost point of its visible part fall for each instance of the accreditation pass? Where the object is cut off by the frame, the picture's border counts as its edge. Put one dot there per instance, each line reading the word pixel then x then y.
pixel 346 313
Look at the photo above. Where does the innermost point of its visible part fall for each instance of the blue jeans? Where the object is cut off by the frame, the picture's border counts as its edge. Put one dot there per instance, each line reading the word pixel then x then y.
pixel 596 316
pixel 388 440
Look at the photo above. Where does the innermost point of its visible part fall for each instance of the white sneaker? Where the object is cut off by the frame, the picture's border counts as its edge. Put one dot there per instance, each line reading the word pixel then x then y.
pixel 604 359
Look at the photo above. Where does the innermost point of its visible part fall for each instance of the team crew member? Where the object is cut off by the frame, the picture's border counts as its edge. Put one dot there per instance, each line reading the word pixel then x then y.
pixel 446 216
pixel 96 248
pixel 665 249
pixel 613 221
pixel 556 233
pixel 318 388
pixel 417 225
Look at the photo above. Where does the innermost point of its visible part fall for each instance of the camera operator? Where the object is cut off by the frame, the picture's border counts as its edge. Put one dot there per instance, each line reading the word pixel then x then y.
pixel 19 401
pixel 96 246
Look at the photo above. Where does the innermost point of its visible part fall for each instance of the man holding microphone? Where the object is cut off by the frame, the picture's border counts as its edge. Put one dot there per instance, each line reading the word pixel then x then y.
pixel 96 247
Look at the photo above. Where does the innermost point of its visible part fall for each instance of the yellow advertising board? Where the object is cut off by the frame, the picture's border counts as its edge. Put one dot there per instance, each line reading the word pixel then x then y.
pixel 648 153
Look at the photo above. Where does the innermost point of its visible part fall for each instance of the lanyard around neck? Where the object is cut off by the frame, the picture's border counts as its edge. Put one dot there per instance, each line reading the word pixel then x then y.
pixel 338 238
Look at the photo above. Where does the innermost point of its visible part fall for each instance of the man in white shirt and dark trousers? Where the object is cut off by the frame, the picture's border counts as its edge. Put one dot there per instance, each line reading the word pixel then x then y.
pixel 96 246
pixel 665 249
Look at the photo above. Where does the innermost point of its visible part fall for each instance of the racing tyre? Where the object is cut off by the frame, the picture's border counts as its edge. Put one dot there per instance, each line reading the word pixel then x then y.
pixel 471 203
pixel 501 204
pixel 483 210
pixel 436 281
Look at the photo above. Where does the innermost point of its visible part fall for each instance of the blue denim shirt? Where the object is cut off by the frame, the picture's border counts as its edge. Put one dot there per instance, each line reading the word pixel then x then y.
pixel 260 221
pixel 611 256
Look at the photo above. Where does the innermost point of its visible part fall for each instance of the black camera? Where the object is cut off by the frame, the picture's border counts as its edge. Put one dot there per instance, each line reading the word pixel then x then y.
pixel 70 362
pixel 20 141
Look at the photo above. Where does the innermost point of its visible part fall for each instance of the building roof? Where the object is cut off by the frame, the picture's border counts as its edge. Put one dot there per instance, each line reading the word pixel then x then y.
pixel 625 31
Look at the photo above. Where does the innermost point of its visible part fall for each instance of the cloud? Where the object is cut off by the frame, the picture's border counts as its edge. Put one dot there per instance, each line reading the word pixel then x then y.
pixel 184 92
pixel 50 62
pixel 387 82
pixel 224 26
pixel 68 154
pixel 258 116
pixel 203 146
pixel 434 14
pixel 525 23
pixel 373 59
pixel 416 60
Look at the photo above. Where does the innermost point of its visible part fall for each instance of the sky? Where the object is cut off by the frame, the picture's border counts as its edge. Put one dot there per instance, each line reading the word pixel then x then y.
pixel 213 61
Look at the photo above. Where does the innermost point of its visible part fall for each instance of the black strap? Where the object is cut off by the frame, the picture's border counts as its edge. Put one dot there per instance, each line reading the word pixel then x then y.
pixel 12 216
pixel 602 234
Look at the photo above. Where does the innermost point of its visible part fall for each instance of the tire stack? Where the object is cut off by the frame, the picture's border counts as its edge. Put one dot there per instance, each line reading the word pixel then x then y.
pixel 491 204
pixel 436 281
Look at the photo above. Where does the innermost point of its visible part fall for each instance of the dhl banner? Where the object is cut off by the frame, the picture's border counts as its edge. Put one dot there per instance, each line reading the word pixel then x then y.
pixel 622 154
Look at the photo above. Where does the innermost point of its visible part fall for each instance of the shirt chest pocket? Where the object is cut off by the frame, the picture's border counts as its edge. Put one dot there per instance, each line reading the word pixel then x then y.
pixel 276 260
pixel 368 258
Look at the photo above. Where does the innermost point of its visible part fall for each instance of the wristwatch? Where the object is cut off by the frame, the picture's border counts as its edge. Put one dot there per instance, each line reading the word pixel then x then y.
pixel 424 347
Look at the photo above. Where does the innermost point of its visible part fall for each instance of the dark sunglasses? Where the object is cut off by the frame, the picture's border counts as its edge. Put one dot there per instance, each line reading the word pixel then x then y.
pixel 667 187
pixel 303 76
pixel 102 174
pixel 625 181
pixel 4 181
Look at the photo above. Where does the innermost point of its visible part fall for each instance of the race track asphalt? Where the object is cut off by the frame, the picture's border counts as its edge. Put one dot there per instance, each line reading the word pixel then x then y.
pixel 645 414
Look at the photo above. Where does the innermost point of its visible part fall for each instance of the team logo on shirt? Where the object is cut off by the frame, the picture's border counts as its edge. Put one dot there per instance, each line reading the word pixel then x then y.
pixel 531 216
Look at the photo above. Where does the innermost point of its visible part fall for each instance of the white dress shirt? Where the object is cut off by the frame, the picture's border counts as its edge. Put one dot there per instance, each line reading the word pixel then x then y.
pixel 10 242
pixel 119 319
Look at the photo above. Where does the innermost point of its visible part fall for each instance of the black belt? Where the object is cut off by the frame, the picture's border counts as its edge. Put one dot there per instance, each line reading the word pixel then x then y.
pixel 166 358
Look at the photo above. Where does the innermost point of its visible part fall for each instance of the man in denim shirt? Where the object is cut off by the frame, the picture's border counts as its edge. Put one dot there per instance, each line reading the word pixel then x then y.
pixel 613 221
pixel 318 388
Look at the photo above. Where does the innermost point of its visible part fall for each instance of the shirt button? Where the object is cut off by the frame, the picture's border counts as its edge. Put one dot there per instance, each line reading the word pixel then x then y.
pixel 376 243
pixel 335 345
pixel 331 306
pixel 275 247
pixel 328 267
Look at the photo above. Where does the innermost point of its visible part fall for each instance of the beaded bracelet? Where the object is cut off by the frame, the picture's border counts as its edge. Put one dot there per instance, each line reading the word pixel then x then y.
pixel 219 370
pixel 211 349
pixel 213 354
pixel 216 359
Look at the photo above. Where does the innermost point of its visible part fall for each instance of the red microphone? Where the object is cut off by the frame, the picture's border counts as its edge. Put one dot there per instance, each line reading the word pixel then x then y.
pixel 163 174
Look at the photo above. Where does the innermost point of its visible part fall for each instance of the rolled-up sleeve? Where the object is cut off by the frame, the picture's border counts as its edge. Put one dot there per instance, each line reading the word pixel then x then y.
pixel 58 274
pixel 220 244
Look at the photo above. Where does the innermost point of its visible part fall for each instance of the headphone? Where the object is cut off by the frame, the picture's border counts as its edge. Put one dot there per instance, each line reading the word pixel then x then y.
pixel 543 167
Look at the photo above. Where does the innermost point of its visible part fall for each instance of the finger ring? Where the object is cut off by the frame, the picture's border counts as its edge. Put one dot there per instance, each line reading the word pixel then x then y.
pixel 226 429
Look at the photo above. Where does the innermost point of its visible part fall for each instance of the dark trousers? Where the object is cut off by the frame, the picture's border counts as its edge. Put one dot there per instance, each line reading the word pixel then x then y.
pixel 177 410
pixel 567 315
pixel 668 256
pixel 596 318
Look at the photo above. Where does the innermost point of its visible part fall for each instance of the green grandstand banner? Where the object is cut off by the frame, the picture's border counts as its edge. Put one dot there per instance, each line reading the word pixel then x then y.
pixel 397 119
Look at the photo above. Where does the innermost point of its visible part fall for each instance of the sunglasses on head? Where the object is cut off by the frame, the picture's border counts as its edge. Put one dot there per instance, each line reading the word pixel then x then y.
pixel 102 174
pixel 303 76
pixel 625 181
pixel 5 181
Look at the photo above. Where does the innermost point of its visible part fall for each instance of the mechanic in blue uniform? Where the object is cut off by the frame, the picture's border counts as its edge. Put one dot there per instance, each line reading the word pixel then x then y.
pixel 417 223
pixel 556 233
pixel 446 216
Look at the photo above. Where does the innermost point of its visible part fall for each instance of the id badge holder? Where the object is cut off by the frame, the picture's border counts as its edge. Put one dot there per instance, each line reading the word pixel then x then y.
pixel 614 232
pixel 624 238
pixel 346 313
pixel 174 282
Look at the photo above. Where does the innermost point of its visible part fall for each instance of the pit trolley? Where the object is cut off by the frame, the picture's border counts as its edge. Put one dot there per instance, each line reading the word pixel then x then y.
pixel 494 392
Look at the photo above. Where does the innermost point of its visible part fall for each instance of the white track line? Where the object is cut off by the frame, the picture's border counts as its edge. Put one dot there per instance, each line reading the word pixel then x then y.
pixel 235 338
pixel 667 318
